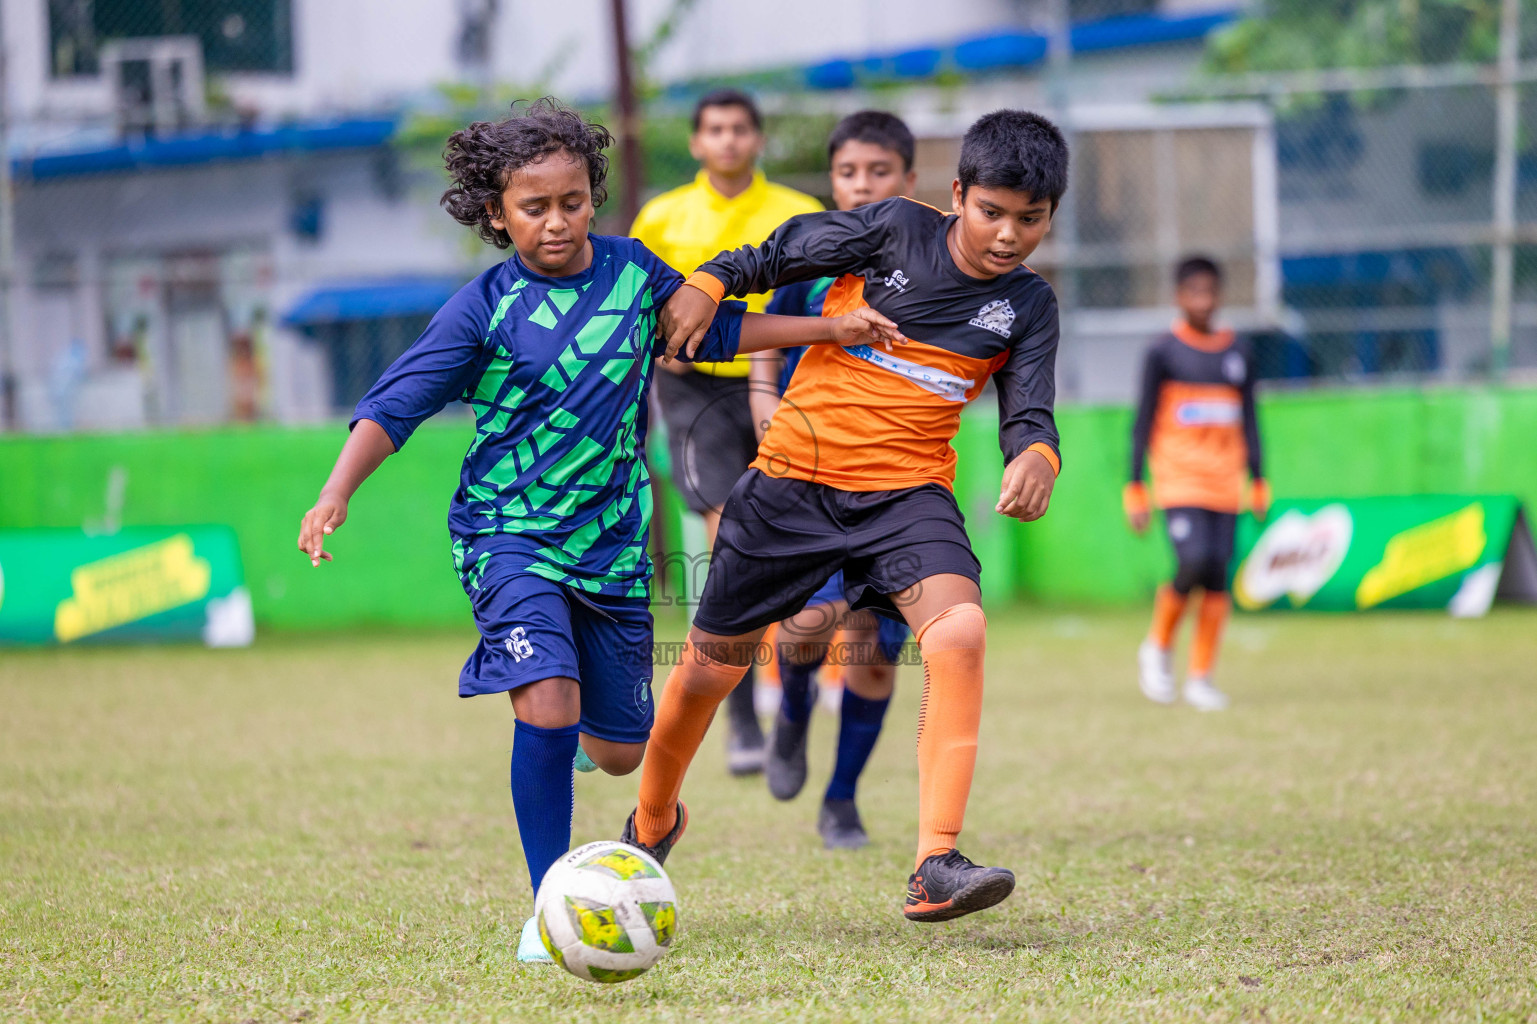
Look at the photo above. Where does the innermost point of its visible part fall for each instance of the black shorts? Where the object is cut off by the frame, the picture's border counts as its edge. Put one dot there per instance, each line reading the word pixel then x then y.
pixel 781 539
pixel 710 436
pixel 1203 543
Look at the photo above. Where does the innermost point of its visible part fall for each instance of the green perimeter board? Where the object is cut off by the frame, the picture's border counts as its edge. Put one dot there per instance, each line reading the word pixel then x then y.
pixel 141 583
pixel 1355 554
pixel 394 566
pixel 1345 443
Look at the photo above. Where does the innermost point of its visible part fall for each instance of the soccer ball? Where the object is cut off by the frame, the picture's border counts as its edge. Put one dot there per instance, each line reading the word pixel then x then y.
pixel 606 912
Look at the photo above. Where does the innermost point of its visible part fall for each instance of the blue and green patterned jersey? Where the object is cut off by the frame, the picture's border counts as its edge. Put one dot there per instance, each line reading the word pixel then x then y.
pixel 556 371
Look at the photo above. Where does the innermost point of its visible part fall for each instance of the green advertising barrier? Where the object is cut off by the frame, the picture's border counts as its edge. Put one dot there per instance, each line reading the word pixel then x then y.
pixel 139 584
pixel 394 569
pixel 1428 551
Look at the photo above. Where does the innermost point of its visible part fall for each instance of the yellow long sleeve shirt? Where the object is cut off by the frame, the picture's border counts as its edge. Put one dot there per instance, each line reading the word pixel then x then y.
pixel 693 223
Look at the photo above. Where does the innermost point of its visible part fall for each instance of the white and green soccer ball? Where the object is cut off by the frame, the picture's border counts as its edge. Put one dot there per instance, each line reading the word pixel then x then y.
pixel 606 912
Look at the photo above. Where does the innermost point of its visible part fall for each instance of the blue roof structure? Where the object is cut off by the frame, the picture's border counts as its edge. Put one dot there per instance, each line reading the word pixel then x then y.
pixel 205 147
pixel 1013 49
pixel 372 300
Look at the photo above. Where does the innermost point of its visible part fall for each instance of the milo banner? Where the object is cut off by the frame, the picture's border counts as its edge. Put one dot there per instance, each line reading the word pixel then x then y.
pixel 139 584
pixel 1452 552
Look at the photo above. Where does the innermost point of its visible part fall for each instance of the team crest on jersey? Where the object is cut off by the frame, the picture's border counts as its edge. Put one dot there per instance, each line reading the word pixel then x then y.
pixel 997 316
pixel 1233 368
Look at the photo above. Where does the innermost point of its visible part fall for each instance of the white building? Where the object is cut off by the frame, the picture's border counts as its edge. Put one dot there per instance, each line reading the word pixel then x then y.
pixel 257 246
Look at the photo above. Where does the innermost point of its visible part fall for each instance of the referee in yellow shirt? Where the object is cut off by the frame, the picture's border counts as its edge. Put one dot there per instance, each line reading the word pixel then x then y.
pixel 710 435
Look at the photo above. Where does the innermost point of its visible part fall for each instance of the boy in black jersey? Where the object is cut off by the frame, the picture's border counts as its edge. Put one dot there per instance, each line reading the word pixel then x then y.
pixel 856 469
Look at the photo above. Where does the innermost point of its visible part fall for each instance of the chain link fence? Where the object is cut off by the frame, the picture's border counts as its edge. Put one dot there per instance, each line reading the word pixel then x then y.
pixel 180 255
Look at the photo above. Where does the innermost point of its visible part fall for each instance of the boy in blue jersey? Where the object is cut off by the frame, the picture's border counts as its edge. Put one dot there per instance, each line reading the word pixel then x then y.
pixel 553 350
pixel 870 158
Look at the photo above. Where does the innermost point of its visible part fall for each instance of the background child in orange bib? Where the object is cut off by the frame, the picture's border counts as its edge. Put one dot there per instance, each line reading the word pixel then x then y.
pixel 1196 425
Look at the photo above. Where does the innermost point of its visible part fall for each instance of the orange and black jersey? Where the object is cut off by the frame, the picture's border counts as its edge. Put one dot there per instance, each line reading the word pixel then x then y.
pixel 863 419
pixel 1195 420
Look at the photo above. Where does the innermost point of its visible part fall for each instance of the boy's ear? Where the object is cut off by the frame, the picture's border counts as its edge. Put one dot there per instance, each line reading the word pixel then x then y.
pixel 957 197
pixel 694 149
pixel 494 212
pixel 909 182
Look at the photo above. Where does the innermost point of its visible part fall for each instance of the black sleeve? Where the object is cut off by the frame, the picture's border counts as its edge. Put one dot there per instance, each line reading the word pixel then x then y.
pixel 1027 387
pixel 1147 405
pixel 1251 423
pixel 808 246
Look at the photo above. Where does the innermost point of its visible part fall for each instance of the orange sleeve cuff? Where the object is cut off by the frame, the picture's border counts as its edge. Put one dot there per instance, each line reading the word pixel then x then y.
pixel 1050 454
pixel 707 283
pixel 1134 498
pixel 1259 496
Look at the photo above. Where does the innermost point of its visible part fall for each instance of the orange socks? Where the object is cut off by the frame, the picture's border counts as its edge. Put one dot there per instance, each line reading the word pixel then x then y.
pixel 953 644
pixel 1208 633
pixel 1168 606
pixel 695 688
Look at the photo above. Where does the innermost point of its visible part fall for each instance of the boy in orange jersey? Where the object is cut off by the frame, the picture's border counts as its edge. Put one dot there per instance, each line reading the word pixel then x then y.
pixel 1196 424
pixel 870 157
pixel 856 470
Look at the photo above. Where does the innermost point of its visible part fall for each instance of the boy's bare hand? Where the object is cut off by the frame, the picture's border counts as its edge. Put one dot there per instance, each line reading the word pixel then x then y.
pixel 319 523
pixel 864 326
pixel 685 320
pixel 1026 490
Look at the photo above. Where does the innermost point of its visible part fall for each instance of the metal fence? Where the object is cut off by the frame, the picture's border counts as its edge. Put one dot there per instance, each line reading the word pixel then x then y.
pixel 171 257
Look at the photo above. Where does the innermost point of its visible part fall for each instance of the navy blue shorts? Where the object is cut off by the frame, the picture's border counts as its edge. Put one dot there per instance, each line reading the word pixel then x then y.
pixel 781 540
pixel 892 632
pixel 532 628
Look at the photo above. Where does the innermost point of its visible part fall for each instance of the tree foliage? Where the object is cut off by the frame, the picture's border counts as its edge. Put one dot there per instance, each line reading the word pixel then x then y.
pixel 1297 35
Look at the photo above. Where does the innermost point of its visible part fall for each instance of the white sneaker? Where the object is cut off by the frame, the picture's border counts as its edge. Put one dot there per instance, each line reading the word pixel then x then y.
pixel 531 947
pixel 1154 673
pixel 1201 695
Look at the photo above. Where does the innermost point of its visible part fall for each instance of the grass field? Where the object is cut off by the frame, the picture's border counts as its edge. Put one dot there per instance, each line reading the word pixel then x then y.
pixel 317 829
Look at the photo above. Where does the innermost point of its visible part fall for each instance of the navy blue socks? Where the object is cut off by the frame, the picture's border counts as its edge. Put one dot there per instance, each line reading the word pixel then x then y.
pixel 543 793
pixel 859 725
pixel 796 683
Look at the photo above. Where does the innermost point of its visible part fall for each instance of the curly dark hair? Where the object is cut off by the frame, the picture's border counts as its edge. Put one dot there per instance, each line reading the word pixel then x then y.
pixel 481 157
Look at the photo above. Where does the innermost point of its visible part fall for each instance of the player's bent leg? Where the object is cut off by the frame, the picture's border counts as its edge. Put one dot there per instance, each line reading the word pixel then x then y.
pixel 1200 693
pixel 746 747
pixel 953 641
pixel 868 681
pixel 613 758
pixel 709 667
pixel 543 748
pixel 1215 552
pixel 802 646
pixel 614 640
pixel 1155 670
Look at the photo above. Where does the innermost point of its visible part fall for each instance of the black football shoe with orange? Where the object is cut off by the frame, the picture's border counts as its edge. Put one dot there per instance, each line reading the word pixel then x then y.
pixel 947 885
pixel 659 852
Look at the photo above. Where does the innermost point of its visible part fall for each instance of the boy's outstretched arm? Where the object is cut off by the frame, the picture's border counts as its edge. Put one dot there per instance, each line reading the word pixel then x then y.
pixel 764 331
pixel 434 371
pixel 806 246
pixel 366 448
